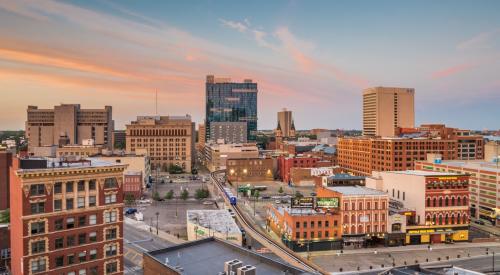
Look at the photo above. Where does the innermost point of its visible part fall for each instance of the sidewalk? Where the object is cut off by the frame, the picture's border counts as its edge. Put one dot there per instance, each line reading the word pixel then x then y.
pixel 142 226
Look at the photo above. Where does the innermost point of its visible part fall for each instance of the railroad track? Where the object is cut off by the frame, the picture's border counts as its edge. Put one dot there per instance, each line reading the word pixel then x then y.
pixel 270 243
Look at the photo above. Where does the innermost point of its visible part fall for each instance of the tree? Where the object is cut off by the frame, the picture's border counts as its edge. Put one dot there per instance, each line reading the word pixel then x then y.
pixel 175 169
pixel 169 195
pixel 129 199
pixel 5 216
pixel 280 190
pixel 184 194
pixel 201 193
pixel 256 194
pixel 298 194
pixel 156 196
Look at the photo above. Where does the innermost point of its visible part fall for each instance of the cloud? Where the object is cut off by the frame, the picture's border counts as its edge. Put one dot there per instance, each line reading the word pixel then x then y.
pixel 453 70
pixel 239 26
pixel 483 40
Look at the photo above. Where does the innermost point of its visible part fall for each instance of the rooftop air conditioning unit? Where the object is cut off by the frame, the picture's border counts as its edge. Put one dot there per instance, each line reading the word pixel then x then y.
pixel 230 267
pixel 247 270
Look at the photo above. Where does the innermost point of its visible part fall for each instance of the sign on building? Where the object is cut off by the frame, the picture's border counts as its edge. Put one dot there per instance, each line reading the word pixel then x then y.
pixel 304 202
pixel 327 203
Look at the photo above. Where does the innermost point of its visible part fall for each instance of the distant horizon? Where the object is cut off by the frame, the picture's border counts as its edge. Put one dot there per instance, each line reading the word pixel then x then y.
pixel 312 58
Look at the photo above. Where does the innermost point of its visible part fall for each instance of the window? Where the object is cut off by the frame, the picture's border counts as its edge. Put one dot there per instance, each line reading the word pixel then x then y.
pixel 111 234
pixel 110 198
pixel 81 202
pixel 327 223
pixel 367 205
pixel 37 190
pixel 69 204
pixel 297 235
pixel 59 243
pixel 81 220
pixel 38 265
pixel 69 187
pixel 82 238
pixel 360 206
pixel 71 273
pixel 58 224
pixel 37 207
pixel 335 223
pixel 110 183
pixel 428 202
pixel 71 259
pixel 37 247
pixel 111 267
pixel 297 224
pixel 93 270
pixel 92 201
pixel 312 224
pixel 111 250
pixel 92 219
pixel 376 205
pixel 327 234
pixel 58 188
pixel 92 185
pixel 82 256
pixel 92 237
pixel 82 272
pixel 37 228
pixel 312 234
pixel 81 186
pixel 304 224
pixel 70 223
pixel 93 254
pixel 57 205
pixel 304 235
pixel 110 216
pixel 70 241
pixel 320 234
pixel 403 195
pixel 59 261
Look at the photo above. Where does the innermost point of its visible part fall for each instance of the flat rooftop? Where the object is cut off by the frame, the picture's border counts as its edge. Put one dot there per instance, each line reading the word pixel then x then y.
pixel 357 191
pixel 474 164
pixel 218 220
pixel 39 163
pixel 207 256
pixel 297 211
pixel 344 176
pixel 422 173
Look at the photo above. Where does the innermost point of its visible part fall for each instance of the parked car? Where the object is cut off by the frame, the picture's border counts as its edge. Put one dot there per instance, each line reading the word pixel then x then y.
pixel 130 211
pixel 481 222
pixel 277 201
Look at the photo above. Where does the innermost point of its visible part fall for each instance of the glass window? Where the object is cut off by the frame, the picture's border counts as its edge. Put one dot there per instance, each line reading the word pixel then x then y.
pixel 93 237
pixel 59 243
pixel 81 202
pixel 111 267
pixel 110 183
pixel 71 259
pixel 37 228
pixel 70 241
pixel 57 188
pixel 82 272
pixel 70 223
pixel 69 204
pixel 93 270
pixel 57 205
pixel 93 254
pixel 111 250
pixel 38 265
pixel 110 198
pixel 82 256
pixel 92 219
pixel 82 220
pixel 69 186
pixel 92 185
pixel 37 189
pixel 38 207
pixel 92 201
pixel 58 224
pixel 111 234
pixel 38 247
pixel 59 261
pixel 82 238
pixel 110 216
pixel 81 185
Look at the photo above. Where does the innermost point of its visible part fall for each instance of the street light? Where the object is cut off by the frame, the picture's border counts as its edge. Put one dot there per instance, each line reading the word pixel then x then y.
pixel 493 262
pixel 157 214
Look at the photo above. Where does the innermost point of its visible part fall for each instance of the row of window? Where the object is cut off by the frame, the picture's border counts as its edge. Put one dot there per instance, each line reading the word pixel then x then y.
pixel 40 265
pixel 59 224
pixel 312 223
pixel 312 234
pixel 69 187
pixel 365 218
pixel 447 201
pixel 367 206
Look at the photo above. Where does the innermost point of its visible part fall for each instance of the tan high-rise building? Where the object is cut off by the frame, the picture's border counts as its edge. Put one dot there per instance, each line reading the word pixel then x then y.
pixel 386 108
pixel 201 136
pixel 285 123
pixel 68 122
pixel 166 139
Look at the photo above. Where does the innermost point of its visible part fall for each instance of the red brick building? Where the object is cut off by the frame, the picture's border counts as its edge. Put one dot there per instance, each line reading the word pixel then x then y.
pixel 66 217
pixel 5 163
pixel 286 163
pixel 132 184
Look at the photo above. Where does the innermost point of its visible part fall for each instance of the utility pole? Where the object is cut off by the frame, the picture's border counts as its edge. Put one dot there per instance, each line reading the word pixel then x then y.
pixel 493 263
pixel 157 214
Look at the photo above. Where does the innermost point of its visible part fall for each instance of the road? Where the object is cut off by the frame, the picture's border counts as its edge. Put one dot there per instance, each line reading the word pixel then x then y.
pixel 137 242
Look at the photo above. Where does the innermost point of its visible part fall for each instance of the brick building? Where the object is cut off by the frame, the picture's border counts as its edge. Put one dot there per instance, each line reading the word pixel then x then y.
pixel 286 163
pixel 66 217
pixel 5 163
pixel 362 155
pixel 132 184
pixel 250 169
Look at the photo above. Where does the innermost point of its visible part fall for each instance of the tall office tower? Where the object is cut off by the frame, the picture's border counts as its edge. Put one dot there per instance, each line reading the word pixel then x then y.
pixel 69 123
pixel 228 101
pixel 285 123
pixel 168 140
pixel 66 217
pixel 385 109
pixel 230 132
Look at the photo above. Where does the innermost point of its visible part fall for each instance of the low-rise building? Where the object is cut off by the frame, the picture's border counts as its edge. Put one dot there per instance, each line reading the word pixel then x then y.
pixel 213 223
pixel 212 256
pixel 306 176
pixel 492 148
pixel 250 169
pixel 135 163
pixel 436 203
pixel 216 155
pixel 286 163
pixel 133 184
pixel 341 179
pixel 83 151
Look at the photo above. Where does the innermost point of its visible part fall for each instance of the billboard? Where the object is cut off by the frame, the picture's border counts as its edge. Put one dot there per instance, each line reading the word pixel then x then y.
pixel 327 202
pixel 303 202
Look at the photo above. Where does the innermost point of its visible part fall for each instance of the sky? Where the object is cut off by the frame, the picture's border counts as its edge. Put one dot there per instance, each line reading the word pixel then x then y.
pixel 312 57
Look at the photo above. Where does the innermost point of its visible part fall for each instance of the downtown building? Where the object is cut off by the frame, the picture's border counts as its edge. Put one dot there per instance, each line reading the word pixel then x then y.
pixel 228 101
pixel 66 217
pixel 167 140
pixel 229 132
pixel 69 124
pixel 286 126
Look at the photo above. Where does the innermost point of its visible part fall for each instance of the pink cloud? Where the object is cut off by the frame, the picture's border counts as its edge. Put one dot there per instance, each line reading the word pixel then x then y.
pixel 450 71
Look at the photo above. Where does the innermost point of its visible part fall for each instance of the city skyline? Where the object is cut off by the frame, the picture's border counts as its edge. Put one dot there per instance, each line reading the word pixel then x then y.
pixel 303 57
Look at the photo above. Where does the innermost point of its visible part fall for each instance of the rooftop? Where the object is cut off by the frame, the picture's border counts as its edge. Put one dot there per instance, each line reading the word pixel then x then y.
pixel 344 176
pixel 39 163
pixel 357 191
pixel 474 164
pixel 297 211
pixel 422 173
pixel 207 256
pixel 218 220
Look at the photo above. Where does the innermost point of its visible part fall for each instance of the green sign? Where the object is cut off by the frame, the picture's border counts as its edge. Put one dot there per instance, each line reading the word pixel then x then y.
pixel 327 202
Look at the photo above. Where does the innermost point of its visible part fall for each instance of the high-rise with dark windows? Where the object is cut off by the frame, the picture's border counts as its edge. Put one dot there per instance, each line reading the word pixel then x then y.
pixel 228 101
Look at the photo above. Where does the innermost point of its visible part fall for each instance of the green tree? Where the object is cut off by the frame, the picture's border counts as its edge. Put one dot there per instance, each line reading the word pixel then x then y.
pixel 280 190
pixel 201 193
pixel 256 194
pixel 184 194
pixel 156 196
pixel 298 194
pixel 169 195
pixel 175 169
pixel 5 216
pixel 129 199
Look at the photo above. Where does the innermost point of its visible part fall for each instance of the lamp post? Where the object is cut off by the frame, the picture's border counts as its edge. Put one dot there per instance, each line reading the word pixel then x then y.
pixel 157 214
pixel 493 262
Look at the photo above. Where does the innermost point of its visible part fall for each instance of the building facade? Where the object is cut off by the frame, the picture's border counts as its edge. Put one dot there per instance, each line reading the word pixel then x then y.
pixel 228 101
pixel 484 183
pixel 132 185
pixel 216 155
pixel 250 169
pixel 168 140
pixel 218 223
pixel 386 108
pixel 69 124
pixel 5 163
pixel 67 217
pixel 286 126
pixel 439 201
pixel 201 137
pixel 362 155
pixel 285 164
pixel 230 132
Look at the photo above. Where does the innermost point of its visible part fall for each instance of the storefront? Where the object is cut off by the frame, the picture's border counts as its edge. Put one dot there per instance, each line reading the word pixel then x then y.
pixel 437 235
pixel 395 239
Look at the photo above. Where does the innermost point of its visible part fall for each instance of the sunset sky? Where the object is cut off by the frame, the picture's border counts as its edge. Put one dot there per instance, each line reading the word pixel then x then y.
pixel 313 57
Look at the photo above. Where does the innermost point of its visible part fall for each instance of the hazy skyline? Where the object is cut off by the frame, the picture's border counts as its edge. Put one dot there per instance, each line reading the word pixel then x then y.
pixel 313 58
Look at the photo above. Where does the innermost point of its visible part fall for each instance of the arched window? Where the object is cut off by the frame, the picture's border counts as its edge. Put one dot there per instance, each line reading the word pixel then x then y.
pixel 360 206
pixel 360 229
pixel 465 201
pixel 446 219
pixel 368 229
pixel 434 219
pixel 464 218
pixel 428 219
pixel 428 202
pixel 452 219
pixel 346 219
pixel 452 201
pixel 446 201
pixel 353 229
pixel 440 201
pixel 440 219
pixel 434 204
pixel 458 218
pixel 359 217
pixel 353 218
pixel 458 201
pixel 383 228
